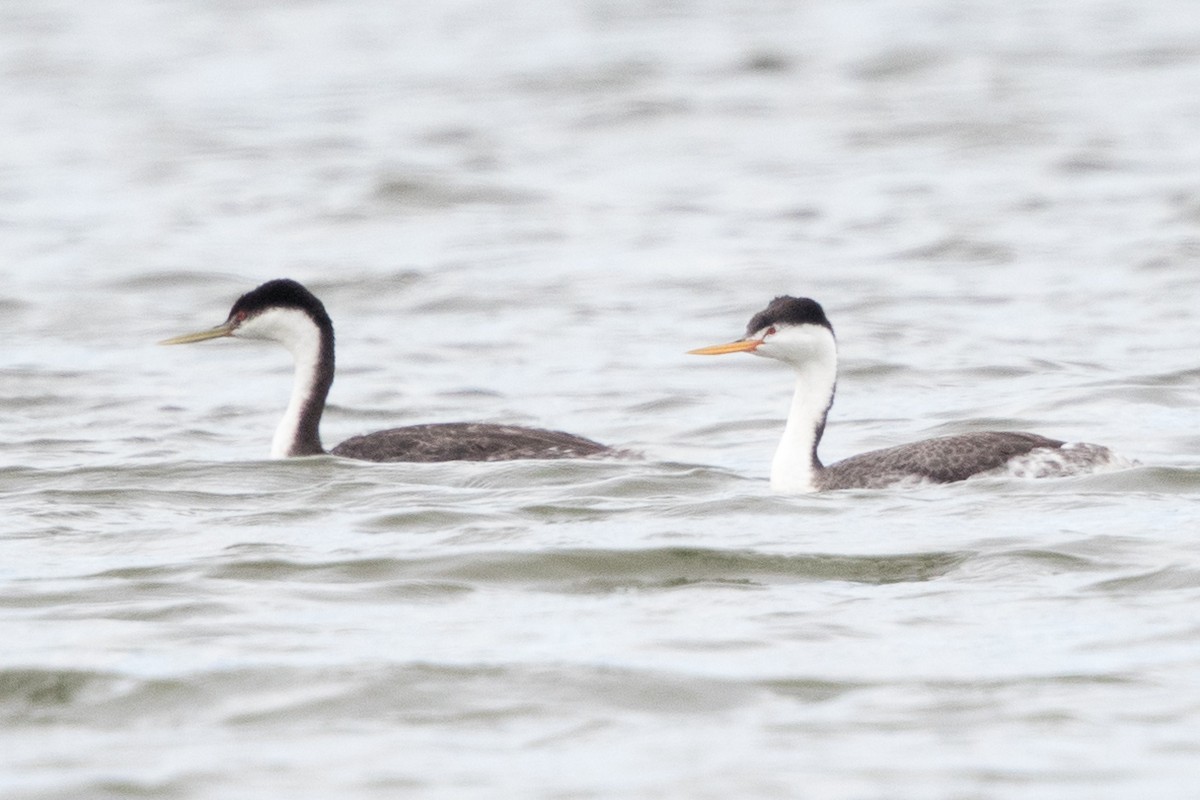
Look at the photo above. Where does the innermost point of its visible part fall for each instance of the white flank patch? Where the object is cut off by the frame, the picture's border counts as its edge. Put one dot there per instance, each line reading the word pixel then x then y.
pixel 1073 458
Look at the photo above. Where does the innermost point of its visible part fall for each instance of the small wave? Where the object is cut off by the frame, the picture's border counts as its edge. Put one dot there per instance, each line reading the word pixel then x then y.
pixel 26 693
pixel 595 570
pixel 452 694
pixel 1137 479
pixel 1171 578
pixel 413 693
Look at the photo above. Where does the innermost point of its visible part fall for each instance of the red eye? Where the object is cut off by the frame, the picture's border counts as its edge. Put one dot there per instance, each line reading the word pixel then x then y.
pixel 770 331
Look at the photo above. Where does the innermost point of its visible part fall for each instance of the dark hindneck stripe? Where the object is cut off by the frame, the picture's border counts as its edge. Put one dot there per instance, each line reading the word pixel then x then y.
pixel 308 428
pixel 820 431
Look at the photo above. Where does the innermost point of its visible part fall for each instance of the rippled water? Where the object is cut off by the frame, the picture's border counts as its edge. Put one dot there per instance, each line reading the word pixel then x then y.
pixel 527 212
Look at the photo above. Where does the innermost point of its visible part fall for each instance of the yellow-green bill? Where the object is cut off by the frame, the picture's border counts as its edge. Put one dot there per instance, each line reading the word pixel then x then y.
pixel 201 336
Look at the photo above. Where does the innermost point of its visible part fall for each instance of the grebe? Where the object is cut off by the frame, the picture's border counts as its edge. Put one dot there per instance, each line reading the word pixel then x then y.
pixel 283 311
pixel 795 330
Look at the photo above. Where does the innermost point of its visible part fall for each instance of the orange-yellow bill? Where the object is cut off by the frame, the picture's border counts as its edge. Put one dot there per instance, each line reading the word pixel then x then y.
pixel 740 346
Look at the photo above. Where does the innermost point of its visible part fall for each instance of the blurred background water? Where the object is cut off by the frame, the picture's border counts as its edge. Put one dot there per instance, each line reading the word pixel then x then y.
pixel 527 212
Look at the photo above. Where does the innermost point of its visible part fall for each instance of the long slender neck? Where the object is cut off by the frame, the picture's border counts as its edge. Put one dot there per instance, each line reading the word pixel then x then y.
pixel 796 465
pixel 298 433
pixel 311 345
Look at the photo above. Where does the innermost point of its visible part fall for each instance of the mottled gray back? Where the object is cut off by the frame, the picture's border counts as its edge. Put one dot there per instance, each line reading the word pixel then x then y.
pixel 466 441
pixel 943 460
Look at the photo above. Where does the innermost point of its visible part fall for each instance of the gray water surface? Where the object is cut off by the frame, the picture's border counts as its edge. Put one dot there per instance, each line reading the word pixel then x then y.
pixel 527 212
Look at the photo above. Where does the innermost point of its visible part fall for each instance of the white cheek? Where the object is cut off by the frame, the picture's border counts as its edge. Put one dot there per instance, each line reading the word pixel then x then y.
pixel 289 326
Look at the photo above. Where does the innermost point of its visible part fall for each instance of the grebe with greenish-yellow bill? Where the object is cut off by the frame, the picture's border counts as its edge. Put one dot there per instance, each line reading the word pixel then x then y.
pixel 285 312
pixel 796 331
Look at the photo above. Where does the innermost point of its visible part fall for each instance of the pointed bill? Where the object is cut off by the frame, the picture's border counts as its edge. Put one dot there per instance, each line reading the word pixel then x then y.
pixel 201 336
pixel 740 346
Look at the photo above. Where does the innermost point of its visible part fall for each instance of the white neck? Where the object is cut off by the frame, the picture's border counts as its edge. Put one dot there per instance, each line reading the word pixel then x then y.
pixel 795 466
pixel 304 380
pixel 298 333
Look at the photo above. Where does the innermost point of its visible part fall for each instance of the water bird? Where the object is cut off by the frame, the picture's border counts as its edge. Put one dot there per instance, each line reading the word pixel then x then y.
pixel 796 331
pixel 285 312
